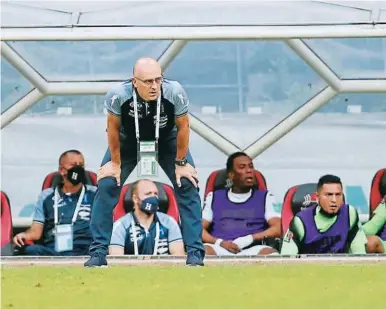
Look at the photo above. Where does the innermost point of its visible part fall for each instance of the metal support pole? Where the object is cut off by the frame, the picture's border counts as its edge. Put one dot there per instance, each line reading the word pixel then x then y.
pixel 20 107
pixel 239 32
pixel 23 67
pixel 314 62
pixel 170 53
pixel 378 85
pixel 213 137
pixel 289 123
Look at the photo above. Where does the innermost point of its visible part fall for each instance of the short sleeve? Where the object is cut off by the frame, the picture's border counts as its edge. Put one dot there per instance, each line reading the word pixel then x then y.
pixel 113 103
pixel 207 212
pixel 174 231
pixel 181 100
pixel 269 207
pixel 118 236
pixel 39 215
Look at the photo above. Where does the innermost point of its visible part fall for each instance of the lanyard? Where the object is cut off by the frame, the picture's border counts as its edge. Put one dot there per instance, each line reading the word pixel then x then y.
pixel 135 102
pixel 77 208
pixel 135 239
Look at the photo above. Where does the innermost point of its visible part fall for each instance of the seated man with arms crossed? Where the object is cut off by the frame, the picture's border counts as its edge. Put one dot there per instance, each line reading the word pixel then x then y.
pixel 237 221
pixel 62 215
pixel 328 226
pixel 375 229
pixel 155 233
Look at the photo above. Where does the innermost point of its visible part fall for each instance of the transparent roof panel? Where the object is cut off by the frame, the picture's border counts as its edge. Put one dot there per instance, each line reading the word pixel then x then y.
pixel 382 17
pixel 243 83
pixel 352 58
pixel 87 61
pixel 15 14
pixel 226 13
pixel 30 13
pixel 13 85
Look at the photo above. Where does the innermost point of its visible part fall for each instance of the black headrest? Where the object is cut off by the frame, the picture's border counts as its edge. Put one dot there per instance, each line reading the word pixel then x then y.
pixel 162 196
pixel 382 185
pixel 305 195
pixel 221 181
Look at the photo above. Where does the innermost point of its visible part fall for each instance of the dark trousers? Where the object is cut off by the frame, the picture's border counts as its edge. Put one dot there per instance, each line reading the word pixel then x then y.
pixel 188 198
pixel 41 250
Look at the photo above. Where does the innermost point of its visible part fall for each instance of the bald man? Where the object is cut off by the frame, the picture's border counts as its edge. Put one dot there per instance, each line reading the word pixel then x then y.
pixel 156 233
pixel 153 109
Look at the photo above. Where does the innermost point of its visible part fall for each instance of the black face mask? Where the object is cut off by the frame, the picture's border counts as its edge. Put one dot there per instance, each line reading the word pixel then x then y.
pixel 150 205
pixel 76 175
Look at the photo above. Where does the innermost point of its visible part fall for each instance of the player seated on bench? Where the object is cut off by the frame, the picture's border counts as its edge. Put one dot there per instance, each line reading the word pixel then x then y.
pixel 155 233
pixel 62 214
pixel 375 229
pixel 328 226
pixel 238 220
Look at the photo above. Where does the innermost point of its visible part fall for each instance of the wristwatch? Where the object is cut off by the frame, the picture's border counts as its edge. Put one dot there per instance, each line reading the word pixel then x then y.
pixel 181 162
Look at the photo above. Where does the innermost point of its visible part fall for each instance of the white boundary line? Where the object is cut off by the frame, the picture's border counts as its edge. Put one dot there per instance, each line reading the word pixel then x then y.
pixel 150 261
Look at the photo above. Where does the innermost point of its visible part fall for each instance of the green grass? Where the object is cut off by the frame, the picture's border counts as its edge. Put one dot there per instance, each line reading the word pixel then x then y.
pixel 232 286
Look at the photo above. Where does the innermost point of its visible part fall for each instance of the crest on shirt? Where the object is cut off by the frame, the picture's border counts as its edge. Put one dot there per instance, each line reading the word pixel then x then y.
pixel 141 110
pixel 163 120
pixel 84 212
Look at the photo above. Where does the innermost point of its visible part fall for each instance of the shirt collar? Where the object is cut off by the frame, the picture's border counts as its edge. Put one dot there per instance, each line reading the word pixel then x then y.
pixel 61 193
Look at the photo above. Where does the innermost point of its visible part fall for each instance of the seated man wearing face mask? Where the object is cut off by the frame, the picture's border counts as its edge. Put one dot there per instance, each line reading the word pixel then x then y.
pixel 155 233
pixel 62 215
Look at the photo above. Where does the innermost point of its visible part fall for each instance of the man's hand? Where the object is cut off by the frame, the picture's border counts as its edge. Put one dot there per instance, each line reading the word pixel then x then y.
pixel 18 240
pixel 186 171
pixel 244 241
pixel 230 246
pixel 110 169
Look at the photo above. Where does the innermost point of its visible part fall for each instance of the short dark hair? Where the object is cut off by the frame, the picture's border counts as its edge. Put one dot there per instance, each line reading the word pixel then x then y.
pixel 328 179
pixel 135 185
pixel 67 152
pixel 232 157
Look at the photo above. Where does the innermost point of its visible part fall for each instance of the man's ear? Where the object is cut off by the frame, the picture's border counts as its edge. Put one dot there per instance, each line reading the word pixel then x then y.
pixel 62 170
pixel 135 199
pixel 134 82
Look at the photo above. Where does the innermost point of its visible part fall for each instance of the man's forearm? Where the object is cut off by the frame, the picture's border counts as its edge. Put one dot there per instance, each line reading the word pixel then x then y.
pixel 114 145
pixel 207 238
pixel 34 232
pixel 182 142
pixel 377 222
pixel 273 231
pixel 358 245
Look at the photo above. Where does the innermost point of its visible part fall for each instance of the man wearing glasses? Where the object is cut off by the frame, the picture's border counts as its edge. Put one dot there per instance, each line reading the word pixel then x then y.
pixel 147 123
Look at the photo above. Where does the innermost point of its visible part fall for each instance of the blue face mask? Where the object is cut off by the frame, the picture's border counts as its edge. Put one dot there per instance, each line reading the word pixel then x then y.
pixel 150 205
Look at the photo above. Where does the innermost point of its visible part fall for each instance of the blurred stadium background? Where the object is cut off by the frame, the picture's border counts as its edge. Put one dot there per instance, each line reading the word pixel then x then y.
pixel 239 88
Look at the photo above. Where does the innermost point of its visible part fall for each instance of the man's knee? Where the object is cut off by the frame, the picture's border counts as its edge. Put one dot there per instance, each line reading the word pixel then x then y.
pixel 209 250
pixel 374 245
pixel 187 186
pixel 36 250
pixel 267 250
pixel 108 184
